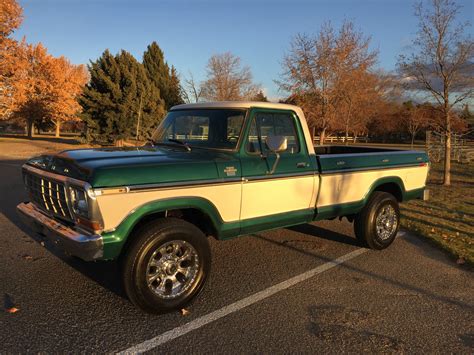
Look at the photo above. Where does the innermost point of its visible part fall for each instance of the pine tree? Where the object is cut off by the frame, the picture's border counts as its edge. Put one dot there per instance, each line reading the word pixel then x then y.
pixel 175 95
pixel 161 76
pixel 120 98
pixel 260 96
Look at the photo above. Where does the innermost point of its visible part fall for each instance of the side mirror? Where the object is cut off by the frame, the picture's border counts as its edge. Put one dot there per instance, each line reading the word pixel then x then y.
pixel 276 144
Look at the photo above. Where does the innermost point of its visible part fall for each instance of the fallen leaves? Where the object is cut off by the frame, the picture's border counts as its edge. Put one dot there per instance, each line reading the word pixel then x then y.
pixel 184 312
pixel 460 261
pixel 9 304
pixel 12 310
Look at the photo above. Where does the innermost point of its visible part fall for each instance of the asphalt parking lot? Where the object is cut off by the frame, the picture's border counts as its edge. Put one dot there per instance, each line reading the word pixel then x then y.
pixel 305 289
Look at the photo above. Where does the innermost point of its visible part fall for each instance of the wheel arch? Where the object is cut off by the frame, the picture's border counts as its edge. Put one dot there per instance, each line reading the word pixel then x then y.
pixel 196 210
pixel 393 185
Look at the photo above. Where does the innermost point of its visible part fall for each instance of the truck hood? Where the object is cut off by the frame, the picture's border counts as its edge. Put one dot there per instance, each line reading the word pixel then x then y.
pixel 107 167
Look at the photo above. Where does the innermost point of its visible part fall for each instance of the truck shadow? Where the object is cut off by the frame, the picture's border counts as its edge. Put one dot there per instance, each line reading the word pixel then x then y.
pixel 323 233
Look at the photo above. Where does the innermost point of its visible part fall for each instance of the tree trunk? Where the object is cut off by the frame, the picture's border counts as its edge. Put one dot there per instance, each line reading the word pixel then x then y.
pixel 346 139
pixel 447 143
pixel 322 136
pixel 447 160
pixel 58 128
pixel 412 140
pixel 29 128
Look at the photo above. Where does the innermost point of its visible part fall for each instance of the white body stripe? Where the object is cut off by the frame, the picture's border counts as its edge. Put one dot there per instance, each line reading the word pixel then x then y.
pixel 226 198
pixel 351 187
pixel 267 197
pixel 239 201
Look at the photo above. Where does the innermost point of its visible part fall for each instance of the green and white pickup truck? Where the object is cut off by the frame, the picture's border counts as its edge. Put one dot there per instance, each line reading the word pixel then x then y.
pixel 212 169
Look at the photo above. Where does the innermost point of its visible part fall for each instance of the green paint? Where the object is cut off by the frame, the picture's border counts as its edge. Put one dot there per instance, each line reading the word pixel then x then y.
pixel 413 194
pixel 375 160
pixel 112 167
pixel 343 209
pixel 253 164
pixel 275 221
pixel 114 241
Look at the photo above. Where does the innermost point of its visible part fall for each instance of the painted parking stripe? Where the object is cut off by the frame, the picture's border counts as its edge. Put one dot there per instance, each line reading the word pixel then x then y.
pixel 236 306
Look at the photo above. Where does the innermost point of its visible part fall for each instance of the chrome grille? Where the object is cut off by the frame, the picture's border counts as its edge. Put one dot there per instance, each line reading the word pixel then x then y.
pixel 47 194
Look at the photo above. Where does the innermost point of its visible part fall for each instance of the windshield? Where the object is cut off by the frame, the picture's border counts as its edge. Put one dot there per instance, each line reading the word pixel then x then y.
pixel 205 128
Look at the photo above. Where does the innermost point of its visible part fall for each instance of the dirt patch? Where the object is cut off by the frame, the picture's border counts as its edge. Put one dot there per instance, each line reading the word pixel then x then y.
pixel 17 147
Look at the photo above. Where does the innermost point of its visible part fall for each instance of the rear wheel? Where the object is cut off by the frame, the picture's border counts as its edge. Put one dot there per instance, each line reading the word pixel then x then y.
pixel 377 224
pixel 166 265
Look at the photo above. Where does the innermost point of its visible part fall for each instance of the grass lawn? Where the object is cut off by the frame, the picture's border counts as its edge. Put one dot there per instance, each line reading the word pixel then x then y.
pixel 447 219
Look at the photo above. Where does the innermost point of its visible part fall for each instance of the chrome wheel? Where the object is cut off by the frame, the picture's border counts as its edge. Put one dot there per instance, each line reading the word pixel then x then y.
pixel 172 269
pixel 386 222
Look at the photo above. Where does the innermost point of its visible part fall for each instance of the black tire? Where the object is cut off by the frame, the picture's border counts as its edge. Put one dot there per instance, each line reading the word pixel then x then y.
pixel 173 236
pixel 365 223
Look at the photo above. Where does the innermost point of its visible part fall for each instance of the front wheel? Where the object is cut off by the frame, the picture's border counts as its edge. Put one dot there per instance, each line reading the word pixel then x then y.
pixel 377 224
pixel 166 265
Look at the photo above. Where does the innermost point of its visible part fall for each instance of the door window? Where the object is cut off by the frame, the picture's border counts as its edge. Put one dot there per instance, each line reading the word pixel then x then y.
pixel 272 124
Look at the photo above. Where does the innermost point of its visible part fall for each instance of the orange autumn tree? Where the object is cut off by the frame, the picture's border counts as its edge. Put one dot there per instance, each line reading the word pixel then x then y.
pixel 66 84
pixel 11 16
pixel 35 87
pixel 47 88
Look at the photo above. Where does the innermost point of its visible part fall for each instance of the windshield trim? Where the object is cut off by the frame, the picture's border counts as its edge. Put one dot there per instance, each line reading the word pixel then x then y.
pixel 244 123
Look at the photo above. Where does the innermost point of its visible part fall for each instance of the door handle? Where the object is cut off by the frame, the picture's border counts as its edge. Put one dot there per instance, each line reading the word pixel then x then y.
pixel 301 165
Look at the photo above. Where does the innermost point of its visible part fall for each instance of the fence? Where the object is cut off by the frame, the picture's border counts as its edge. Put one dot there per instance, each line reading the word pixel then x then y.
pixel 342 139
pixel 461 150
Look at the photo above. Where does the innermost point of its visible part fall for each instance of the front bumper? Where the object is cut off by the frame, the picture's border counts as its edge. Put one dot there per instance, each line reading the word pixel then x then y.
pixel 85 246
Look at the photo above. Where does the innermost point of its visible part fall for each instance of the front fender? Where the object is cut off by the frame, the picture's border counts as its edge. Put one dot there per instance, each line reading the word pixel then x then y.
pixel 115 240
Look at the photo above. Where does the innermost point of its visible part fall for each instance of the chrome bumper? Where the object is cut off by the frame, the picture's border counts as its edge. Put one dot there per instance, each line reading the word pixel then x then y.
pixel 85 246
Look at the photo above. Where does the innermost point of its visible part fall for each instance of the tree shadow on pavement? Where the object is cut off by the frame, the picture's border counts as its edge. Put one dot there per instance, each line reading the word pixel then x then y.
pixel 371 274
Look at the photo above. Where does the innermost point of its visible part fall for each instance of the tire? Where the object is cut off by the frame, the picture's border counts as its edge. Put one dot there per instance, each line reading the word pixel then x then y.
pixel 166 265
pixel 377 224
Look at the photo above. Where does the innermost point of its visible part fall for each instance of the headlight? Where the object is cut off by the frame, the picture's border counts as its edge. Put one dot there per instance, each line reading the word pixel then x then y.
pixel 79 202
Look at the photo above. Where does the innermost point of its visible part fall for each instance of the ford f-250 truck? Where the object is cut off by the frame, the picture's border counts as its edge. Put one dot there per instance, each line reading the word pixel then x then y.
pixel 212 169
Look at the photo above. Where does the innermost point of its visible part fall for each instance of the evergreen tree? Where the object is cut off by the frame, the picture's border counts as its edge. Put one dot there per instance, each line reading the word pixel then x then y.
pixel 260 96
pixel 175 94
pixel 161 76
pixel 118 99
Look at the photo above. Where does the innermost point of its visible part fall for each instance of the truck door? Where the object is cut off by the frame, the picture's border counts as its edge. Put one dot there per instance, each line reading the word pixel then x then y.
pixel 284 196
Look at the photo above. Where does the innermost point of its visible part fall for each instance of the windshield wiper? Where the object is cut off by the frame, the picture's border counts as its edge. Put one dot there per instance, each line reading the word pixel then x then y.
pixel 184 144
pixel 173 143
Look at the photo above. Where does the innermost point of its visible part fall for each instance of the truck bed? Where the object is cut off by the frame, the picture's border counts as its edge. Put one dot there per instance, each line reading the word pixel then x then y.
pixel 334 158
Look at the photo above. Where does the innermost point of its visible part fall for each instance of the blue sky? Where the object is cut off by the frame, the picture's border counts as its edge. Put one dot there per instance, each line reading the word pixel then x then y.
pixel 189 32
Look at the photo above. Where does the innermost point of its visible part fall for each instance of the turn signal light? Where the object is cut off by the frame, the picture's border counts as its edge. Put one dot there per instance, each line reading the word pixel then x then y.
pixel 90 225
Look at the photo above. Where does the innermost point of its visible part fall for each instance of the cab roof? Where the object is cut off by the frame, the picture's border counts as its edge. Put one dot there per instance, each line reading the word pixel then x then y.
pixel 237 104
pixel 254 104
